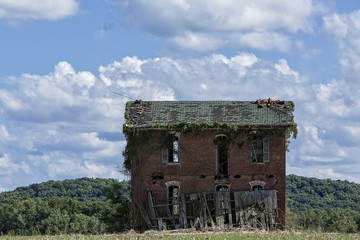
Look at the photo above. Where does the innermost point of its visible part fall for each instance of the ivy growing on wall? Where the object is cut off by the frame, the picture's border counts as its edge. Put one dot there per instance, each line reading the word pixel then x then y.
pixel 133 141
pixel 136 136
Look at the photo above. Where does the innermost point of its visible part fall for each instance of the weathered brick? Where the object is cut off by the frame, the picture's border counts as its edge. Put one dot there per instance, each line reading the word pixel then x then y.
pixel 196 170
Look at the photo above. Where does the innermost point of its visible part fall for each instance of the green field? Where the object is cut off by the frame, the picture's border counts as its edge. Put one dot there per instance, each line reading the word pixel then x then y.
pixel 201 236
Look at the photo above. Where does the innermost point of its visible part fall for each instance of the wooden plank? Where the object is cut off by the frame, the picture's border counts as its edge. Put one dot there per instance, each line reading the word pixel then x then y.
pixel 227 205
pixel 151 208
pixel 183 214
pixel 203 211
pixel 237 207
pixel 161 224
pixel 209 219
pixel 218 210
pixel 144 214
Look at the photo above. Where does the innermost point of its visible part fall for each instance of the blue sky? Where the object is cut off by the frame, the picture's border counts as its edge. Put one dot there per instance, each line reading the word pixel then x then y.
pixel 60 61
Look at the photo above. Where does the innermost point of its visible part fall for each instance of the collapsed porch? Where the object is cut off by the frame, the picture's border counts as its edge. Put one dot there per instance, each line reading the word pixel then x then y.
pixel 204 210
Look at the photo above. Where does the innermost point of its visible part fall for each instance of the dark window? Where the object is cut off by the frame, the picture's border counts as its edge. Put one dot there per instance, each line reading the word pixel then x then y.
pixel 259 149
pixel 257 187
pixel 170 153
pixel 222 188
pixel 222 155
pixel 173 200
pixel 224 210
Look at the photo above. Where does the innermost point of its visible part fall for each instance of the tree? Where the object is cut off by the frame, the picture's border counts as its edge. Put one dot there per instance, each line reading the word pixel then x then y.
pixel 118 215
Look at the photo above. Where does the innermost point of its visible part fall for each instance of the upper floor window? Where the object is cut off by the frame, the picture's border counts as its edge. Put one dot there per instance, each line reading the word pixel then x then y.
pixel 170 150
pixel 259 152
pixel 222 155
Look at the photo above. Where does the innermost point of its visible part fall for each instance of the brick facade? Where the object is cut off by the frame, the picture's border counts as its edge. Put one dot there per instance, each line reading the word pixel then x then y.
pixel 196 170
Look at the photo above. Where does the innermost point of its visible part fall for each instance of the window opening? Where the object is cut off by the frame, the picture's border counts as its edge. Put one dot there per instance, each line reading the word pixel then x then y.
pixel 222 188
pixel 170 150
pixel 222 155
pixel 259 149
pixel 157 176
pixel 257 187
pixel 174 150
pixel 224 209
pixel 173 200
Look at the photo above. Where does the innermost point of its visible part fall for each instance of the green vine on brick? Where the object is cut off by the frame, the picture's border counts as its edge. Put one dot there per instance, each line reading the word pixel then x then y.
pixel 185 127
pixel 133 141
pixel 135 136
pixel 126 114
pixel 291 130
pixel 168 140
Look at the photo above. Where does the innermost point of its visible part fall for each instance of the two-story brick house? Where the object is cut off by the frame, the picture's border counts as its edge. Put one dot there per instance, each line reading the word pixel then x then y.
pixel 208 163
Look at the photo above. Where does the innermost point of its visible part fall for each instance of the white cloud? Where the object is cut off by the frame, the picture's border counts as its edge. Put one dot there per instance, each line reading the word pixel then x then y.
pixel 263 41
pixel 283 67
pixel 9 167
pixel 10 102
pixel 191 24
pixel 314 136
pixel 37 9
pixel 5 136
pixel 68 124
pixel 353 131
pixel 71 167
pixel 346 29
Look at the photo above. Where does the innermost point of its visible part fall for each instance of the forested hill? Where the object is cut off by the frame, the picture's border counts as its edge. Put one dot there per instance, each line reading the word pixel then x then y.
pixel 81 206
pixel 82 189
pixel 304 193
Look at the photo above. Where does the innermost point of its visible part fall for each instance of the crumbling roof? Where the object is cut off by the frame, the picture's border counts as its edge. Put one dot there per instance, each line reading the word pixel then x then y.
pixel 265 112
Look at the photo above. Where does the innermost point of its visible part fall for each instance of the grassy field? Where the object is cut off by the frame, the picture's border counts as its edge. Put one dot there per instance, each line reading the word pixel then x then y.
pixel 201 236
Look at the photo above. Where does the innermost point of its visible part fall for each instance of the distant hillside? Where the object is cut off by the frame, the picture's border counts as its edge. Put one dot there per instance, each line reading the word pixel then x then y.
pixel 304 193
pixel 82 189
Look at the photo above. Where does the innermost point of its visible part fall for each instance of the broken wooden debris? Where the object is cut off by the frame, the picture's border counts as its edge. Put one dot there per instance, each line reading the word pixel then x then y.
pixel 243 209
pixel 151 208
pixel 270 103
pixel 138 111
pixel 144 214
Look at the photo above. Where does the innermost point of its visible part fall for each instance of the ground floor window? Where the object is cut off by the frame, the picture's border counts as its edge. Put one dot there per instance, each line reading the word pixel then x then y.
pixel 223 206
pixel 173 200
pixel 257 185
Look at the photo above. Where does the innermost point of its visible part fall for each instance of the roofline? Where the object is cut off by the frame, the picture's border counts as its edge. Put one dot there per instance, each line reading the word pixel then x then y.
pixel 217 128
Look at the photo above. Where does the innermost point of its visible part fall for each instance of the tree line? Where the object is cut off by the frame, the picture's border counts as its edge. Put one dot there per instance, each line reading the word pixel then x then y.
pixel 322 205
pixel 96 206
pixel 84 206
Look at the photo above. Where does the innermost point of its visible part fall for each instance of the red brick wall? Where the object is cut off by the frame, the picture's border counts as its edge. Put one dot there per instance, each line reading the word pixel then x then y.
pixel 196 169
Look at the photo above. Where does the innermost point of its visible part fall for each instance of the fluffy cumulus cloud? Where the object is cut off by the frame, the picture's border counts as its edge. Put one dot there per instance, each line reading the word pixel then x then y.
pixel 67 124
pixel 329 134
pixel 346 29
pixel 191 24
pixel 37 9
pixel 324 112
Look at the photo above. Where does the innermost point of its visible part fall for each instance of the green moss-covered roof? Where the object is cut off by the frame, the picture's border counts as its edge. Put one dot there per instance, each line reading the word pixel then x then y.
pixel 235 113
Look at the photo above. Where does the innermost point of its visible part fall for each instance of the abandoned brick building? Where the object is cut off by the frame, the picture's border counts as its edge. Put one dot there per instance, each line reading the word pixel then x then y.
pixel 208 163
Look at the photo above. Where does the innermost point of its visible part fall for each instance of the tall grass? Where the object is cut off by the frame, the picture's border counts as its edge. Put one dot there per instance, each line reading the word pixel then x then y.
pixel 200 236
